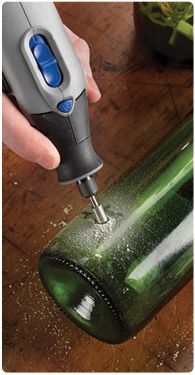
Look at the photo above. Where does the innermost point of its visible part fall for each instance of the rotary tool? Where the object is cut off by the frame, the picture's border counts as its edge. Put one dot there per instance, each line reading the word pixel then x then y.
pixel 43 76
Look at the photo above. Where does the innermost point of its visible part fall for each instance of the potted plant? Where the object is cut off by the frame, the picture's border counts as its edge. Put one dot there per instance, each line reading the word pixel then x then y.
pixel 167 29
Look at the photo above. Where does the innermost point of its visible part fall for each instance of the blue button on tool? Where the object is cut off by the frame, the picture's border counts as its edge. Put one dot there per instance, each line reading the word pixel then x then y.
pixel 66 105
pixel 46 61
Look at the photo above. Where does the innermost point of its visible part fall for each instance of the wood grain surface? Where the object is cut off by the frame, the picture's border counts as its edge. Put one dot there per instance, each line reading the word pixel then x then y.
pixel 142 102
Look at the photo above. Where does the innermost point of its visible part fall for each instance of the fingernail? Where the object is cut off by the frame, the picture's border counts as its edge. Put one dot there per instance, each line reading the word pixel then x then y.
pixel 47 162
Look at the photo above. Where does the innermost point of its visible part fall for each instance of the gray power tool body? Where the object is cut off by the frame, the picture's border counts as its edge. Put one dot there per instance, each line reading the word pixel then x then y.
pixel 43 76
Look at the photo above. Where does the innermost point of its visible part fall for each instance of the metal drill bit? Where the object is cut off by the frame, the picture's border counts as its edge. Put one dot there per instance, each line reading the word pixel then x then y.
pixel 99 213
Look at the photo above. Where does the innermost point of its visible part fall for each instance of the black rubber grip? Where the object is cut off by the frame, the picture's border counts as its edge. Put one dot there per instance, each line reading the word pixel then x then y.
pixel 71 136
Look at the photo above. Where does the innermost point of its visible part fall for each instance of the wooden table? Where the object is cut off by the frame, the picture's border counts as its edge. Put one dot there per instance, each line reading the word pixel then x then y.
pixel 142 102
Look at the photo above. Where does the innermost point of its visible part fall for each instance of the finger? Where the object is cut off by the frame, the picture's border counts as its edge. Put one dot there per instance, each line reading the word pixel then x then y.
pixel 73 37
pixel 82 50
pixel 93 92
pixel 26 141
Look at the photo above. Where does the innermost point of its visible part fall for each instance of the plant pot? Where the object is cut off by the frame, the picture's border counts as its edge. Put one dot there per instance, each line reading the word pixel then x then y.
pixel 168 45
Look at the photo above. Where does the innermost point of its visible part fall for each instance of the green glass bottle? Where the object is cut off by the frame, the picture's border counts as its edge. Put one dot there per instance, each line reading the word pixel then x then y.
pixel 110 279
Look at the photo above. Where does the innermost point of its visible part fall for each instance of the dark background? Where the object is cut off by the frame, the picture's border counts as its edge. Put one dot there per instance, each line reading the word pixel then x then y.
pixel 142 102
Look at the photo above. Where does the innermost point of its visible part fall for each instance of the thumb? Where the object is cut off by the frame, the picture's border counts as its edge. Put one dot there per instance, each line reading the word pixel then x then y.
pixel 26 141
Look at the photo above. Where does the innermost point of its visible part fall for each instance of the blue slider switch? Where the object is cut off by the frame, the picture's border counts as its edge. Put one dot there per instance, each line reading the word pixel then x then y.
pixel 46 61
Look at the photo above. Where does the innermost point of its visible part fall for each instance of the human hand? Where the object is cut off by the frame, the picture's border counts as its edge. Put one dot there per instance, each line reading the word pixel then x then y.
pixel 28 142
